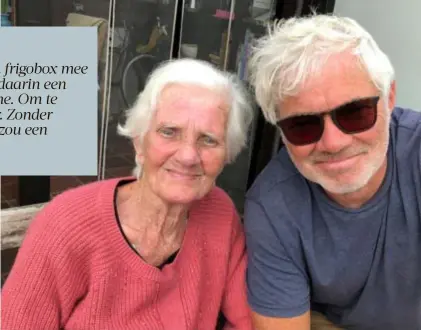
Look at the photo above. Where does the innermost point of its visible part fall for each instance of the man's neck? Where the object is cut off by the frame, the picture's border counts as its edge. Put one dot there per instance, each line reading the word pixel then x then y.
pixel 358 198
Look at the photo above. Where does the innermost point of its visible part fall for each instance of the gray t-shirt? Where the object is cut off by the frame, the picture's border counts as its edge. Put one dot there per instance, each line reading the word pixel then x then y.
pixel 359 267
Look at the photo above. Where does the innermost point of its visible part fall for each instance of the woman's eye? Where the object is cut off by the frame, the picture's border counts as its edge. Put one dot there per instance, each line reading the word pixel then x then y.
pixel 167 131
pixel 209 141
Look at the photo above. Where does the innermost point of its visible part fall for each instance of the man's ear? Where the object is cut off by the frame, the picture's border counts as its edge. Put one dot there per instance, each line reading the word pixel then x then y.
pixel 392 96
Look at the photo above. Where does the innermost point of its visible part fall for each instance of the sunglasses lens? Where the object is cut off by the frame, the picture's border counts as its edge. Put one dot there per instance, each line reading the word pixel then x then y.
pixel 357 117
pixel 354 117
pixel 301 130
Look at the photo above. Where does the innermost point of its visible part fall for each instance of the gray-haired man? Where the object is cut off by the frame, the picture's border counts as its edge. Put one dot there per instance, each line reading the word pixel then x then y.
pixel 333 223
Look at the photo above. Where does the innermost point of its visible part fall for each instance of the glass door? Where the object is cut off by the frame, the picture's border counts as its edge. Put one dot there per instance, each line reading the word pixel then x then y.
pixel 142 36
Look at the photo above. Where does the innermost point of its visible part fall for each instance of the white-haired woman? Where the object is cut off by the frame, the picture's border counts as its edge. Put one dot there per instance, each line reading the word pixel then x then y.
pixel 163 249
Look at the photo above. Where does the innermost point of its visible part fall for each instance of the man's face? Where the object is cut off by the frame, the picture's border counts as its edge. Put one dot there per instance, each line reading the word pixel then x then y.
pixel 341 163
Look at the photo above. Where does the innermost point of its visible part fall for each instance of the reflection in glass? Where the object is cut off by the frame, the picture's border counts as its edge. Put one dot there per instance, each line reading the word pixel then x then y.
pixel 141 39
pixel 193 5
pixel 82 13
pixel 262 11
pixel 243 55
pixel 6 13
pixel 188 50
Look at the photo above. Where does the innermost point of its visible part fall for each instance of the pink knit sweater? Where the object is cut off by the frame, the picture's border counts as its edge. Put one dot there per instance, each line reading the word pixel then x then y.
pixel 75 270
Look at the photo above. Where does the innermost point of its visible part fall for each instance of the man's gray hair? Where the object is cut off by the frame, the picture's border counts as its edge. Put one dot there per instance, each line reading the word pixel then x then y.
pixel 296 48
pixel 198 73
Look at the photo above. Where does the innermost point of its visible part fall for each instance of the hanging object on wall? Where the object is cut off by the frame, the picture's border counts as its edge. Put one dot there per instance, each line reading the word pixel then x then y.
pixel 262 11
pixel 193 5
pixel 78 7
pixel 224 10
pixel 188 50
pixel 243 55
pixel 218 59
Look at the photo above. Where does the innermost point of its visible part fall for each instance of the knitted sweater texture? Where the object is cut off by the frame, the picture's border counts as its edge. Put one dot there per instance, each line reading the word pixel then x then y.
pixel 75 270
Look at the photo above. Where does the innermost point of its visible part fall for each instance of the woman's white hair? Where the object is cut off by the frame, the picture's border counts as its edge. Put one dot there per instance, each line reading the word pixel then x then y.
pixel 296 48
pixel 198 73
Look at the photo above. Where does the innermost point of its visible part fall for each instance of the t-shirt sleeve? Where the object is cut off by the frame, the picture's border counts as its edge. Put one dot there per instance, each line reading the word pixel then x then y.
pixel 277 285
pixel 419 158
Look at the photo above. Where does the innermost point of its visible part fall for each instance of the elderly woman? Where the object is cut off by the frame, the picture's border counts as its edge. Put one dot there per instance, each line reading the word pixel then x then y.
pixel 163 249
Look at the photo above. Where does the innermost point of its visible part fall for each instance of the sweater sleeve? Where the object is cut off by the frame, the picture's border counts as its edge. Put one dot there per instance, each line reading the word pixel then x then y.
pixel 46 279
pixel 234 304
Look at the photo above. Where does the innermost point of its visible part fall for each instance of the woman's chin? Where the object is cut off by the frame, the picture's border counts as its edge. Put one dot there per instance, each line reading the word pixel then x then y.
pixel 182 196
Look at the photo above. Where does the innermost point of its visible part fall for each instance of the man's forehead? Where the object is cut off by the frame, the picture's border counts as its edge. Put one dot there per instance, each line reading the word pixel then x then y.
pixel 322 102
pixel 330 89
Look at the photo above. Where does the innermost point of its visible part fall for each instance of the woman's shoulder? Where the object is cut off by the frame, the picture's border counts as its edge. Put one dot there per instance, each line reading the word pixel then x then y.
pixel 217 210
pixel 73 224
pixel 217 200
pixel 74 206
pixel 218 224
pixel 76 198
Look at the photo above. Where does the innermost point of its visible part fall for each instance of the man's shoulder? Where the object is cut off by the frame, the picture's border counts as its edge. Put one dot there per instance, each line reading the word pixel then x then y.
pixel 405 118
pixel 406 134
pixel 279 177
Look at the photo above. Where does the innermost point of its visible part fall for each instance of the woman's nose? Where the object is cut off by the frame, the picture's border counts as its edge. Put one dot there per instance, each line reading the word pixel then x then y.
pixel 188 154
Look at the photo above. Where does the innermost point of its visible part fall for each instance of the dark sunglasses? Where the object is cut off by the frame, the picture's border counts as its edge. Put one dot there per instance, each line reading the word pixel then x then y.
pixel 353 117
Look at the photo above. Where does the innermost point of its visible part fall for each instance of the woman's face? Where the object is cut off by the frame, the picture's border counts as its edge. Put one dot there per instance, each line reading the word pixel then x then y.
pixel 184 149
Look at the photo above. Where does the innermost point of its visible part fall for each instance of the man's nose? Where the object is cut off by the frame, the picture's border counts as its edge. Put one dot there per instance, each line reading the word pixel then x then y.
pixel 333 139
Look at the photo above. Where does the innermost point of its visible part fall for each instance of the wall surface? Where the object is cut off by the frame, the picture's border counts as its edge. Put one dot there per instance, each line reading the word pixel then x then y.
pixel 396 26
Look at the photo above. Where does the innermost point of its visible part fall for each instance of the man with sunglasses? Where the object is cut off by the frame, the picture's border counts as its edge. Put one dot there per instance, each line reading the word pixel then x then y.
pixel 333 223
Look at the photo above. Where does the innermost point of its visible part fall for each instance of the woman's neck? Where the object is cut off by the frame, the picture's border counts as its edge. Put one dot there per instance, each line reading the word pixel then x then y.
pixel 143 211
pixel 154 228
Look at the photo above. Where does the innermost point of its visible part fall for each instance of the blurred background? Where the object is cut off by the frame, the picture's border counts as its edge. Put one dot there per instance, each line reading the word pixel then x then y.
pixel 135 35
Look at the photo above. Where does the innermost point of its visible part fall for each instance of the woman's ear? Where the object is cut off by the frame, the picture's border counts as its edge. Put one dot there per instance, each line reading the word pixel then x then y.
pixel 137 144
